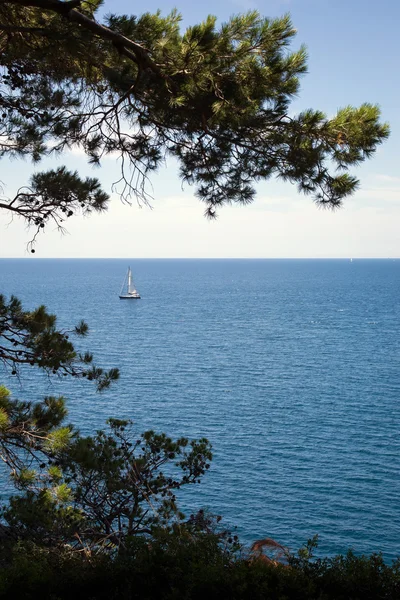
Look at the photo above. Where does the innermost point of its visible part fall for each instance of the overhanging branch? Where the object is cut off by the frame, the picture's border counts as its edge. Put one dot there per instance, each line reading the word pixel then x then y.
pixel 68 11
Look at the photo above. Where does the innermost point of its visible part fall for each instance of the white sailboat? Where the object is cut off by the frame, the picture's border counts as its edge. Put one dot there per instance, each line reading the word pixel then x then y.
pixel 128 290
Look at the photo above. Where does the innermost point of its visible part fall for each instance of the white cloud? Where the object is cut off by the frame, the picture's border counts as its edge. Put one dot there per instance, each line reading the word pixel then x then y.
pixel 388 179
pixel 176 227
pixel 280 223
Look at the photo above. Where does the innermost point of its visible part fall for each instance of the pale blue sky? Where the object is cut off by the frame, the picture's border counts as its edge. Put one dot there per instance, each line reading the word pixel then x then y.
pixel 354 50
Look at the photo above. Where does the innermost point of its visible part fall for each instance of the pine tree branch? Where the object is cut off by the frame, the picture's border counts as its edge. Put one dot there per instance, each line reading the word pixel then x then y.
pixel 123 44
pixel 20 29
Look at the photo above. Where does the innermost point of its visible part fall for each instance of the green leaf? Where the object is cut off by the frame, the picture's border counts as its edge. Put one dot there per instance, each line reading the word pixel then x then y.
pixel 62 493
pixel 24 477
pixel 4 420
pixel 55 473
pixel 4 395
pixel 59 439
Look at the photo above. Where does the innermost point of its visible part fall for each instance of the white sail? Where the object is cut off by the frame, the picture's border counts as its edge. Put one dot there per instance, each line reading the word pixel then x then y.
pixel 128 289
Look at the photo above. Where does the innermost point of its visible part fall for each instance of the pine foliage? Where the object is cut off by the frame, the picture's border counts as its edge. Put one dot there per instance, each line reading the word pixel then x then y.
pixel 216 97
pixel 91 493
pixel 32 338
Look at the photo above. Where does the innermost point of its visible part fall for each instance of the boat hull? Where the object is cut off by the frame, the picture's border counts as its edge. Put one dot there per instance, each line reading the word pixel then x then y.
pixel 129 297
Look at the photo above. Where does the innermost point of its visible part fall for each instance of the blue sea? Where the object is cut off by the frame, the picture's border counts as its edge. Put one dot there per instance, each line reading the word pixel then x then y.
pixel 289 367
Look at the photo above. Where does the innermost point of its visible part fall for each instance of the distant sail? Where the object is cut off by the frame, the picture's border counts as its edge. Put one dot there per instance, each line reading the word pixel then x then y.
pixel 128 290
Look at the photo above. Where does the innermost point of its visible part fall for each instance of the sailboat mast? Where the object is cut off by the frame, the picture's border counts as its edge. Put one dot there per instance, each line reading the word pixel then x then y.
pixel 128 289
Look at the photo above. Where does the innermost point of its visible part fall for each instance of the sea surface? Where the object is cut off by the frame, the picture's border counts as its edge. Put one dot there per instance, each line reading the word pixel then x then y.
pixel 289 367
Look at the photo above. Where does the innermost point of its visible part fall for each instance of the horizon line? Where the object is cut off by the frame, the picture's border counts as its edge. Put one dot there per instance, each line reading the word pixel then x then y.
pixel 349 258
